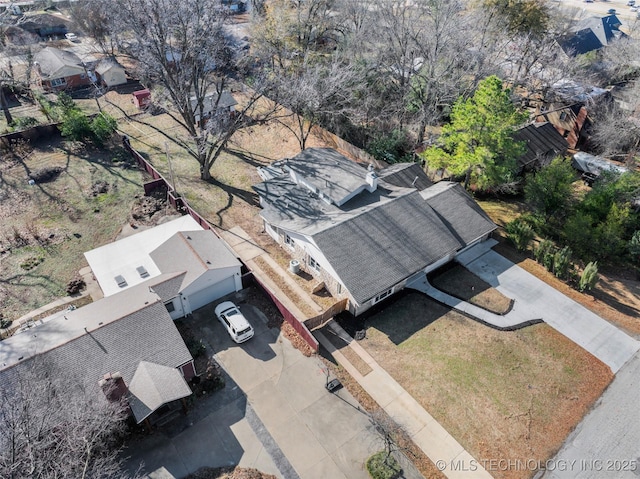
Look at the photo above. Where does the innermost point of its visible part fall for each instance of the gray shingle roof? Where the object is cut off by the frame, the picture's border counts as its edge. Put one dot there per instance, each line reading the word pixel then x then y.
pixel 209 102
pixel 376 239
pixel 407 175
pixel 194 252
pixel 107 64
pixel 379 248
pixel 52 60
pixel 152 386
pixel 330 172
pixel 111 335
pixel 458 211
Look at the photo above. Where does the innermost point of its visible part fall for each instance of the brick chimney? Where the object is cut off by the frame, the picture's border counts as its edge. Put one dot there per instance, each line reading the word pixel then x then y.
pixel 113 386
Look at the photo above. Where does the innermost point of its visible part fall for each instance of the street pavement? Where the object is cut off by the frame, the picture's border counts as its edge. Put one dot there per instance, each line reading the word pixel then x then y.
pixel 606 444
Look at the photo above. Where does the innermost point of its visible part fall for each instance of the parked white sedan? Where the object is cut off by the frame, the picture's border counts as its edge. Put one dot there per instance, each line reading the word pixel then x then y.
pixel 234 321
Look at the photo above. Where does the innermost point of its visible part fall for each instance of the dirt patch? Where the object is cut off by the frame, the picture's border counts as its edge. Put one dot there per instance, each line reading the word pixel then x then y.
pixel 503 395
pixel 229 473
pixel 458 281
pixel 46 174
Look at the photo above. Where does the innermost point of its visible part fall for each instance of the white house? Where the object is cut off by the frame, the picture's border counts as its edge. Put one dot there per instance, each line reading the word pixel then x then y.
pixel 366 233
pixel 191 267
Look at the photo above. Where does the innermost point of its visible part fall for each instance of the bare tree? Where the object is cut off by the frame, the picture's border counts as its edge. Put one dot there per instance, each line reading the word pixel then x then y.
pixel 316 94
pixel 185 51
pixel 52 425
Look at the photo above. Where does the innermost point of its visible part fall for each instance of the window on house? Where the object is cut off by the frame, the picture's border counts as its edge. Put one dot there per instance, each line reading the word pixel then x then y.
pixel 314 264
pixel 288 240
pixel 381 296
pixel 339 289
pixel 170 306
pixel 58 82
pixel 564 116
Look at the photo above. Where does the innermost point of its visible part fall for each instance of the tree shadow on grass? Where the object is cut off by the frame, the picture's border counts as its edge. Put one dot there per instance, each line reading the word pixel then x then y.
pixel 252 159
pixel 232 192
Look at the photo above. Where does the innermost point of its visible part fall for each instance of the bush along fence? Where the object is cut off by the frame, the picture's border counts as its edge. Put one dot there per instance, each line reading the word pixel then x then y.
pixel 181 205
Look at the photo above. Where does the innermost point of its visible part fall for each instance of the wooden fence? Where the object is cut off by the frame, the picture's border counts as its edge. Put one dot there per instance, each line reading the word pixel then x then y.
pixel 180 204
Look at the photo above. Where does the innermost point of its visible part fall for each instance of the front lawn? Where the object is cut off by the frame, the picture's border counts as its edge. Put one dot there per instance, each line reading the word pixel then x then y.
pixel 502 395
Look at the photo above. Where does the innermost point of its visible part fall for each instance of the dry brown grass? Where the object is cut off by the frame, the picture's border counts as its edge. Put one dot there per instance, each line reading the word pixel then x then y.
pixel 462 283
pixel 502 395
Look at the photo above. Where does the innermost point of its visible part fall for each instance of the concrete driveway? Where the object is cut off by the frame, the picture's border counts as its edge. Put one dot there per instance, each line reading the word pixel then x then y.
pixel 321 434
pixel 274 414
pixel 535 299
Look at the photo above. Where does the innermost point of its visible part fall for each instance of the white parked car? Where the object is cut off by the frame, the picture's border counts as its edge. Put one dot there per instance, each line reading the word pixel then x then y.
pixel 234 321
pixel 72 37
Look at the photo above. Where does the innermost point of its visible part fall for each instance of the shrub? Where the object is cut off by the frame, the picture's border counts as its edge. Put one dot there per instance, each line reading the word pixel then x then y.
pixel 23 123
pixel 562 262
pixel 75 286
pixel 383 466
pixel 392 148
pixel 196 347
pixel 103 126
pixel 589 276
pixel 520 234
pixel 634 247
pixel 544 254
pixel 75 126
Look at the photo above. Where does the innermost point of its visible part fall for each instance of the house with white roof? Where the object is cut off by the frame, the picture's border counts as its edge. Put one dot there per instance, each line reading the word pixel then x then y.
pixel 198 267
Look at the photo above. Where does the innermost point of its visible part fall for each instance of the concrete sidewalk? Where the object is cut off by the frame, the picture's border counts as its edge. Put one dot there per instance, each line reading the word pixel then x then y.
pixel 442 448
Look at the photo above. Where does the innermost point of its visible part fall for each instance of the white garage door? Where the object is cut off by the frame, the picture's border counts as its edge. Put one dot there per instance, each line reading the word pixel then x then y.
pixel 213 292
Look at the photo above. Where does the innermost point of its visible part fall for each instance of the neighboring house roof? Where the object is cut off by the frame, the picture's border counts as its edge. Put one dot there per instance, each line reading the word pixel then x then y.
pixel 407 175
pixel 178 246
pixel 591 34
pixel 194 252
pixel 154 385
pixel 114 334
pixel 107 64
pixel 544 143
pixel 380 237
pixel 209 102
pixel 580 42
pixel 54 63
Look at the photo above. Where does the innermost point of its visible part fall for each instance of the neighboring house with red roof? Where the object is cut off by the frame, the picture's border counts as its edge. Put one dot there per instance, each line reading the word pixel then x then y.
pixel 60 70
pixel 365 234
